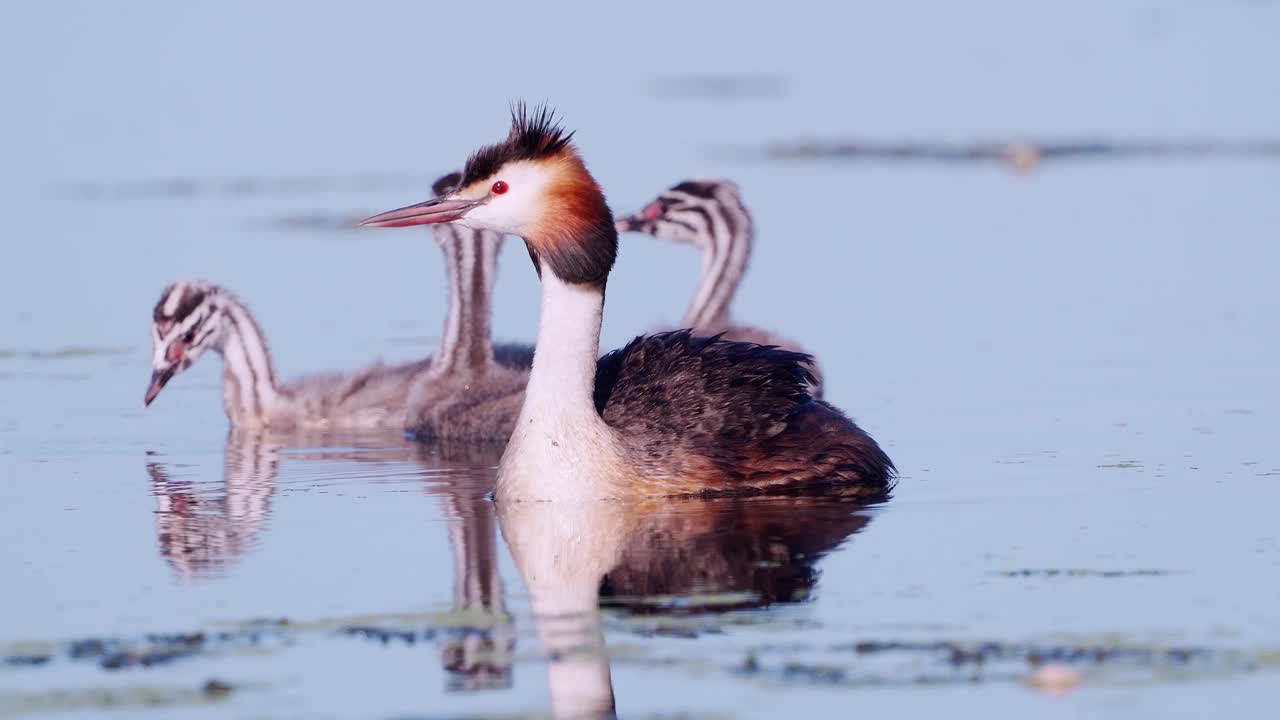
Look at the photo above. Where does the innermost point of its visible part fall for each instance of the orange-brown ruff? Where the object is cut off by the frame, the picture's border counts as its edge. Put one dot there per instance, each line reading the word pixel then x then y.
pixel 570 239
pixel 669 414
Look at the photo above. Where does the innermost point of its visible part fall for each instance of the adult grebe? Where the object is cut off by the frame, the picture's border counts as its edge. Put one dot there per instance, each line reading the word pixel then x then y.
pixel 710 215
pixel 473 390
pixel 192 317
pixel 668 414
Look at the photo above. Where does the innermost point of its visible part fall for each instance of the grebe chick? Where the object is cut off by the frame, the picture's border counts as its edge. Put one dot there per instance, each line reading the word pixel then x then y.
pixel 668 414
pixel 710 215
pixel 193 316
pixel 470 392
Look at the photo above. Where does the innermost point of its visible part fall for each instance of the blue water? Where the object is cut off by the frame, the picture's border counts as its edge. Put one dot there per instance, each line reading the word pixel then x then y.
pixel 1074 368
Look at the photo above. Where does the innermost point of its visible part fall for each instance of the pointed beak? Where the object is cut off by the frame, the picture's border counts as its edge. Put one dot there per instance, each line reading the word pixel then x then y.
pixel 629 223
pixel 158 380
pixel 439 210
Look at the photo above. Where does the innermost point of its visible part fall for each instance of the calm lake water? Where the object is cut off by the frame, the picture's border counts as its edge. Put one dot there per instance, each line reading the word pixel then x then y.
pixel 1075 369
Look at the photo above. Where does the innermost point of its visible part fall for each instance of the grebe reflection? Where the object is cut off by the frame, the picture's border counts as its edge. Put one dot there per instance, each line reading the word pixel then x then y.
pixel 682 557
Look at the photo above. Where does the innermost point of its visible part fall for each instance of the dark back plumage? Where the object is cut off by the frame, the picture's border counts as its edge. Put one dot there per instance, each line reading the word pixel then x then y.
pixel 706 415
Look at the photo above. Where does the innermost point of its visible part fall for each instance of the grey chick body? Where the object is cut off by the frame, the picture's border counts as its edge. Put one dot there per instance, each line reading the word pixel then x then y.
pixel 193 316
pixel 473 390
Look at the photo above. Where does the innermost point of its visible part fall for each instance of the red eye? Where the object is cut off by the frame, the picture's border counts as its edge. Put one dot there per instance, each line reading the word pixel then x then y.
pixel 500 187
pixel 175 351
pixel 652 211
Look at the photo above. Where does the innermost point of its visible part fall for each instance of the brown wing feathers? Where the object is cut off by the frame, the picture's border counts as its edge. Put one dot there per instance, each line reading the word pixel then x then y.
pixel 700 414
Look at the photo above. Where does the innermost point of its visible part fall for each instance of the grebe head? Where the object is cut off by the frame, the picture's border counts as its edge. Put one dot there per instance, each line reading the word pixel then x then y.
pixel 186 321
pixel 535 185
pixel 687 212
pixel 448 232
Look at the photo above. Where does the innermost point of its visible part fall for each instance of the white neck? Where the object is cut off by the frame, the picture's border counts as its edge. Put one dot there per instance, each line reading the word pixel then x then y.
pixel 560 441
pixel 564 363
pixel 249 390
pixel 724 262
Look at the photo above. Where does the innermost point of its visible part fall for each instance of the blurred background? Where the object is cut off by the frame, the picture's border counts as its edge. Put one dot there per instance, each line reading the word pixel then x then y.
pixel 1072 356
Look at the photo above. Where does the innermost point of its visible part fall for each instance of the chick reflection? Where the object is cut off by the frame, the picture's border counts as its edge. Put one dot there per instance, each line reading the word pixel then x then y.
pixel 479 656
pixel 682 556
pixel 202 530
pixel 200 533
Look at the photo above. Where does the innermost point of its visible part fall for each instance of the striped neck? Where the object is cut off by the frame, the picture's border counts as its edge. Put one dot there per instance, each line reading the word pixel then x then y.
pixel 471 265
pixel 249 388
pixel 477 584
pixel 726 249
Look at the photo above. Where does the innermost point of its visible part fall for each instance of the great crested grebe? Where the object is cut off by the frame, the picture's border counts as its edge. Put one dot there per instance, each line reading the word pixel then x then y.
pixel 669 413
pixel 472 391
pixel 710 215
pixel 193 316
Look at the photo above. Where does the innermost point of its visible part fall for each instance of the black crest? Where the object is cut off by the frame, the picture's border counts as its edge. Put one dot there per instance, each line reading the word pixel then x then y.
pixel 698 189
pixel 535 134
pixel 192 297
pixel 446 184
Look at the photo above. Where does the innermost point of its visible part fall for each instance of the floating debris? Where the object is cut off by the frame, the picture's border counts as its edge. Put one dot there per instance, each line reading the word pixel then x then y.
pixel 1081 572
pixel 961 653
pixel 246 186
pixel 317 220
pixel 1019 155
pixel 216 688
pixel 721 87
pixel 157 649
pixel 1056 680
pixel 1054 669
pixel 147 697
pixel 387 636
pixel 25 660
pixel 64 353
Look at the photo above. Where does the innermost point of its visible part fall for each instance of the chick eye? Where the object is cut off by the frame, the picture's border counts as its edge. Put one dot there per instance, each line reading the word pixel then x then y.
pixel 499 188
pixel 176 350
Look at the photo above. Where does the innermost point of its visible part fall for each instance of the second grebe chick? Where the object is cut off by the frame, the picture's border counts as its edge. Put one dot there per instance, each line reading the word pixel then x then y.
pixel 668 414
pixel 193 316
pixel 472 391
pixel 710 215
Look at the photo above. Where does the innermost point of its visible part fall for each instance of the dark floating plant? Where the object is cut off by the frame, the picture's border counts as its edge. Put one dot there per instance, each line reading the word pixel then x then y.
pixel 1019 155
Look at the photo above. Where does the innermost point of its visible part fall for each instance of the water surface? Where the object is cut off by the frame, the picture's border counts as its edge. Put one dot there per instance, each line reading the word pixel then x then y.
pixel 1074 368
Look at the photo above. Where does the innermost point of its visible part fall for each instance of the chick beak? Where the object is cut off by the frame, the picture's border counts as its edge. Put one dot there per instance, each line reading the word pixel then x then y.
pixel 159 379
pixel 629 223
